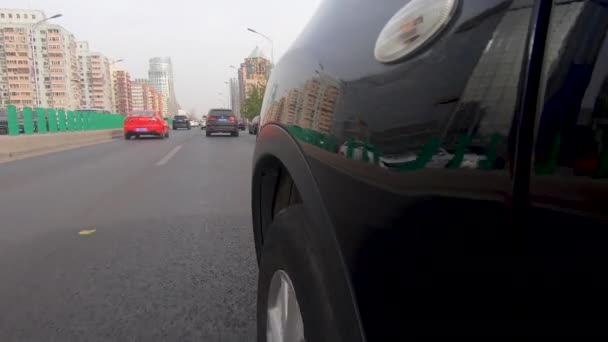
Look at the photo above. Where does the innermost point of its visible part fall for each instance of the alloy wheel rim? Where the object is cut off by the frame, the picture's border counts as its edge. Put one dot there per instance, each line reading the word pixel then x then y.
pixel 284 318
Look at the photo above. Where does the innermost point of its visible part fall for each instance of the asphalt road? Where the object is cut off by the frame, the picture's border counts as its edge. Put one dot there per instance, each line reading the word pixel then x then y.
pixel 172 255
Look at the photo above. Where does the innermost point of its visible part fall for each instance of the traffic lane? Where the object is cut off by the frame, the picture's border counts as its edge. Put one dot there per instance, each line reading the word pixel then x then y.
pixel 161 265
pixel 207 176
pixel 25 170
pixel 177 279
pixel 40 194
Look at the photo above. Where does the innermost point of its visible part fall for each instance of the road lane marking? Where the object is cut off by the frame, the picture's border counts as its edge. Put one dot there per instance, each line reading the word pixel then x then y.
pixel 168 156
pixel 87 232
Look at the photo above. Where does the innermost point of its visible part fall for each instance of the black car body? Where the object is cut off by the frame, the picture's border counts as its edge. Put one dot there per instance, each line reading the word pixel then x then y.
pixel 444 178
pixel 222 121
pixel 254 125
pixel 242 124
pixel 181 121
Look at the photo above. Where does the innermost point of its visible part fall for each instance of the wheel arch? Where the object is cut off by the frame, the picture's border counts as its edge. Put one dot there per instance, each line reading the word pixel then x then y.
pixel 277 150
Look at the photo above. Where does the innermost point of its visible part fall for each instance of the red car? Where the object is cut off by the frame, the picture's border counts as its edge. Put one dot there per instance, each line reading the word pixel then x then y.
pixel 145 123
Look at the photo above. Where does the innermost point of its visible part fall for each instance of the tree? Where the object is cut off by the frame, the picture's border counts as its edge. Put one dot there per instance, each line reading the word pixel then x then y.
pixel 253 103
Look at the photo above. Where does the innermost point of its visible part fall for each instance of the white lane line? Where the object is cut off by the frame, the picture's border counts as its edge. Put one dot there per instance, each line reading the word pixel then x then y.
pixel 168 156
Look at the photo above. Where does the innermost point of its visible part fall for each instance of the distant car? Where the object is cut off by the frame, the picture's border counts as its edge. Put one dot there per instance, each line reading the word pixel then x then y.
pixel 194 123
pixel 222 121
pixel 181 121
pixel 254 125
pixel 204 122
pixel 142 123
pixel 242 124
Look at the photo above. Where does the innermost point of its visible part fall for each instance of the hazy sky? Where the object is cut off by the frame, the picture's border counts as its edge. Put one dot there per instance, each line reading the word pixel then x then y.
pixel 202 37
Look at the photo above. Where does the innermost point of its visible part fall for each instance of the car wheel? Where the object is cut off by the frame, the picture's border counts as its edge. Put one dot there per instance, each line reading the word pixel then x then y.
pixel 207 133
pixel 127 136
pixel 167 134
pixel 188 128
pixel 292 299
pixel 161 136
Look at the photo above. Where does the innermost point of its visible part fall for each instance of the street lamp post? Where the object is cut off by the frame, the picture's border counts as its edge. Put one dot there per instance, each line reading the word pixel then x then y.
pixel 269 40
pixel 33 48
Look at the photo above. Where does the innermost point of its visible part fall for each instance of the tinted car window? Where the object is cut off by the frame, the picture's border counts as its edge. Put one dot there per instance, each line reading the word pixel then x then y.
pixel 181 117
pixel 143 113
pixel 569 184
pixel 220 113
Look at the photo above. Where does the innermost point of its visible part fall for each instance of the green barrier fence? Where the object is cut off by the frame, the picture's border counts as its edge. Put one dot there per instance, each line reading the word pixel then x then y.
pixel 70 121
pixel 13 121
pixel 28 124
pixel 30 121
pixel 52 115
pixel 62 120
pixel 41 121
pixel 85 121
pixel 78 121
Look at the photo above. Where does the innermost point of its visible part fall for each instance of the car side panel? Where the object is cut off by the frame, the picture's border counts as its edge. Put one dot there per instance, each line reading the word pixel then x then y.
pixel 413 160
pixel 569 177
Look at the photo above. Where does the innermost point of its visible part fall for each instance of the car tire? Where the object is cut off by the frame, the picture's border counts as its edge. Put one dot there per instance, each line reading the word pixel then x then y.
pixel 188 128
pixel 207 134
pixel 127 136
pixel 235 134
pixel 167 134
pixel 287 248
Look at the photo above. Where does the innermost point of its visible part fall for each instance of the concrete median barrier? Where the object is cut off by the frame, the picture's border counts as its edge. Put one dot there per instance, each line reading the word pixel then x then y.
pixel 22 146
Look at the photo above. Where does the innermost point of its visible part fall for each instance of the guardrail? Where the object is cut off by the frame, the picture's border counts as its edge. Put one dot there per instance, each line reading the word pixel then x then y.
pixel 31 121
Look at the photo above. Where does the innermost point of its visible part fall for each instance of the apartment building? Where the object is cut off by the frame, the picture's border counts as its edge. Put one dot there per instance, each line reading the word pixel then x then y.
pixel 96 92
pixel 53 80
pixel 253 72
pixel 319 99
pixel 122 92
pixel 145 97
pixel 139 94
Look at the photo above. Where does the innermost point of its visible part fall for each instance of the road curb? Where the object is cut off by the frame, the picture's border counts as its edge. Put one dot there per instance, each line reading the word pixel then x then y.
pixel 26 146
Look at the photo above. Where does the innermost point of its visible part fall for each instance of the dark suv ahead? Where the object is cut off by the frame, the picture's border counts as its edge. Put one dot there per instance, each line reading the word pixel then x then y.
pixel 222 121
pixel 181 121
pixel 434 168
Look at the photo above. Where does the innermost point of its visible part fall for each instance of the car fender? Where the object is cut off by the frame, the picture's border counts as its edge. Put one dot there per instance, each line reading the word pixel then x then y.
pixel 275 143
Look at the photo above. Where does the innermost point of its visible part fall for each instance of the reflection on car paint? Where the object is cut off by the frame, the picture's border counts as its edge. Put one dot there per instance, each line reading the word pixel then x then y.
pixel 465 124
pixel 573 126
pixel 571 150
